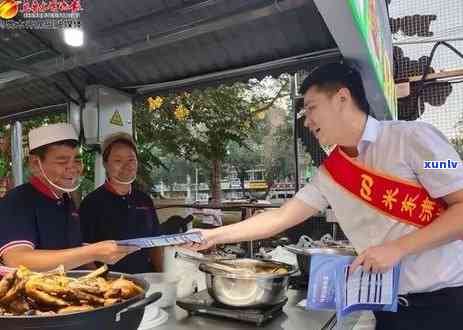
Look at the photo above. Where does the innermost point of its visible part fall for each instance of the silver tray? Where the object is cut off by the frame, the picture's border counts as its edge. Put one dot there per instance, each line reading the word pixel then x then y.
pixel 341 251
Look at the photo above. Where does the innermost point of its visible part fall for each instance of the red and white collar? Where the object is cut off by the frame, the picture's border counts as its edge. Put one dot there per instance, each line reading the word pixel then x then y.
pixel 43 188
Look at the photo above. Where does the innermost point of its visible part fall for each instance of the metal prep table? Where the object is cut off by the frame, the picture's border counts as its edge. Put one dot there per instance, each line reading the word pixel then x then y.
pixel 292 318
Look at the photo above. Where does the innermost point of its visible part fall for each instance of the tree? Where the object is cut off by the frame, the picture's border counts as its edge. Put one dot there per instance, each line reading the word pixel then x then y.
pixel 148 161
pixel 5 153
pixel 458 145
pixel 244 158
pixel 174 170
pixel 200 126
pixel 279 155
pixel 88 180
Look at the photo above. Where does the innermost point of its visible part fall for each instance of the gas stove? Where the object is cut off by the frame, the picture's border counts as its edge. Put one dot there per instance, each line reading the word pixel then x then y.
pixel 201 303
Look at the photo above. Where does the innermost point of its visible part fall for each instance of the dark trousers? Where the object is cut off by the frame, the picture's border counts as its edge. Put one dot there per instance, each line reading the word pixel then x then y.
pixel 441 309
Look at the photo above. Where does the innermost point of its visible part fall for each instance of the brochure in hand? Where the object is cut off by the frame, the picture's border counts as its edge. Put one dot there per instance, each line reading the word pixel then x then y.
pixel 163 240
pixel 331 287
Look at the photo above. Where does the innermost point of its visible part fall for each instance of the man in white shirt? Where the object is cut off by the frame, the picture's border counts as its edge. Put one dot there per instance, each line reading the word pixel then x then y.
pixel 431 281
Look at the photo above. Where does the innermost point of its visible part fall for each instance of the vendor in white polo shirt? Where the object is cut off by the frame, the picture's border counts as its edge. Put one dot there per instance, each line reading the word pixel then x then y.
pixel 391 207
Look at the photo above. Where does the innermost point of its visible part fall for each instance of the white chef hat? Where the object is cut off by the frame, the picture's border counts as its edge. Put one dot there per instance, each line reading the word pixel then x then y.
pixel 116 137
pixel 52 133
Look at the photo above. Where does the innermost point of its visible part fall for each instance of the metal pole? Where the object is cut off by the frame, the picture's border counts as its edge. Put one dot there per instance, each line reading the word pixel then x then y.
pixel 332 54
pixel 188 189
pixel 425 41
pixel 34 112
pixel 294 112
pixel 17 154
pixel 196 190
pixel 250 243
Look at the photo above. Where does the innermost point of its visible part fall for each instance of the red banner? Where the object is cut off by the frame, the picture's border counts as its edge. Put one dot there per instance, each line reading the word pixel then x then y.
pixel 402 200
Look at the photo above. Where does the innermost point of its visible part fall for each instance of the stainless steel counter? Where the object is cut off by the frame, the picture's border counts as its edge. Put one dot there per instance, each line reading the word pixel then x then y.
pixel 293 318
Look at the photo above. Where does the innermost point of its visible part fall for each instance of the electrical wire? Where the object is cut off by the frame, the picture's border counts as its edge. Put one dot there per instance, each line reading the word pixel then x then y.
pixel 443 81
pixel 422 83
pixel 431 57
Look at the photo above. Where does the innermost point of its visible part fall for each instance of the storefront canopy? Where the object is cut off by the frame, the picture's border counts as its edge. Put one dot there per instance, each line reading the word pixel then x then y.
pixel 154 46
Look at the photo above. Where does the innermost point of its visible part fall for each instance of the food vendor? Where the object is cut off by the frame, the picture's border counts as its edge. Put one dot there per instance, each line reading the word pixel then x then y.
pixel 118 211
pixel 39 225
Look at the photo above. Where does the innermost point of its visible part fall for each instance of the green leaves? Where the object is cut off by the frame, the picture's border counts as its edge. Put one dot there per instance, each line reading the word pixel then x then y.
pixel 199 126
pixel 4 167
pixel 211 119
pixel 458 145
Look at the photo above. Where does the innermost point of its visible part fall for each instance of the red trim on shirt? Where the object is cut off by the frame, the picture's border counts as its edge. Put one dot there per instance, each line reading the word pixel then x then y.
pixel 43 188
pixel 12 244
pixel 109 187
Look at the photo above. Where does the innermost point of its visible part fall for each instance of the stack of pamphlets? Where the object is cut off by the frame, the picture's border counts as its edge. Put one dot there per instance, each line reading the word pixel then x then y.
pixel 332 287
pixel 163 240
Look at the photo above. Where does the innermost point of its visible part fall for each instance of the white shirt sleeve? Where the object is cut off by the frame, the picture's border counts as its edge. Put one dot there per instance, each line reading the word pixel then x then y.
pixel 312 195
pixel 427 143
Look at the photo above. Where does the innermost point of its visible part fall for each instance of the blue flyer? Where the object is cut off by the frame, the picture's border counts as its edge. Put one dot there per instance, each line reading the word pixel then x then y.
pixel 163 240
pixel 332 287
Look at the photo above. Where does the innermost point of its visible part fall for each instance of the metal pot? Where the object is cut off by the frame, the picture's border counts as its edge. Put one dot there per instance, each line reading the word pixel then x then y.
pixel 304 255
pixel 125 315
pixel 248 290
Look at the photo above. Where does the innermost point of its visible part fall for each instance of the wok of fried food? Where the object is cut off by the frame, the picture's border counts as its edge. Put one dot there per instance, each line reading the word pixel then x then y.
pixel 25 292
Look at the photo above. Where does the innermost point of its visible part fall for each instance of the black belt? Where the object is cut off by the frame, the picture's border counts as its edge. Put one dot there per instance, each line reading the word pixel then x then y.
pixel 443 297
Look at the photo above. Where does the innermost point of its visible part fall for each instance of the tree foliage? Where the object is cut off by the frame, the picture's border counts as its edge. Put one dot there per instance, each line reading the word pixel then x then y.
pixel 244 158
pixel 279 157
pixel 199 126
pixel 458 145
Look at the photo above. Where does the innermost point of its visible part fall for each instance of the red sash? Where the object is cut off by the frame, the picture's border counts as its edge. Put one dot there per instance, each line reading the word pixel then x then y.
pixel 402 200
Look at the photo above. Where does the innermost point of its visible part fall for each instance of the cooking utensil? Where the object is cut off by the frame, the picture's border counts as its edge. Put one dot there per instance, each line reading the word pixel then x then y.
pixel 342 251
pixel 220 264
pixel 248 289
pixel 197 257
pixel 213 262
pixel 124 315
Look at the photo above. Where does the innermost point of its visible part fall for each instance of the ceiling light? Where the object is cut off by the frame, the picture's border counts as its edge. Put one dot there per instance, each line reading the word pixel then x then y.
pixel 74 37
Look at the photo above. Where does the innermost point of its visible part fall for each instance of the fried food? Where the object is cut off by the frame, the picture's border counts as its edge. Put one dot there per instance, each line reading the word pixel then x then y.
pixel 112 301
pixel 6 283
pixel 52 285
pixel 19 306
pixel 97 286
pixel 25 292
pixel 44 298
pixel 75 309
pixel 96 273
pixel 14 292
pixel 24 273
pixel 88 298
pixel 280 270
pixel 123 288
